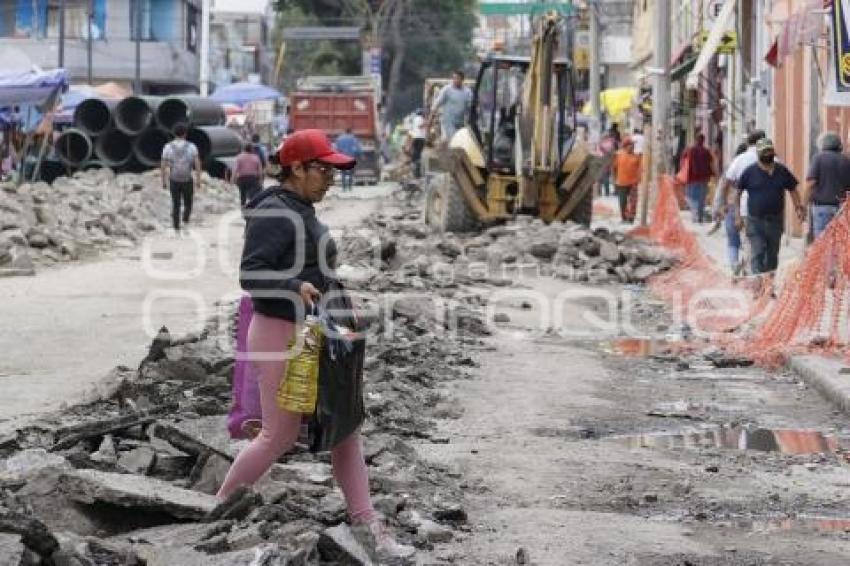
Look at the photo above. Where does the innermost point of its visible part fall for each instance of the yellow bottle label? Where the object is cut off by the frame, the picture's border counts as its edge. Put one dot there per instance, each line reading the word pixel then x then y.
pixel 299 389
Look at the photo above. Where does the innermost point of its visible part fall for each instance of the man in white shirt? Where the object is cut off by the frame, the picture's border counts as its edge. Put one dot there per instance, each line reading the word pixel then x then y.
pixel 725 210
pixel 639 140
pixel 452 104
pixel 417 134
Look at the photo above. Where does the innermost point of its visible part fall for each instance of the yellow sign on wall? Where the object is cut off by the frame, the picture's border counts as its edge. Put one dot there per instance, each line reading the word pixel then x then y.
pixel 581 58
pixel 728 43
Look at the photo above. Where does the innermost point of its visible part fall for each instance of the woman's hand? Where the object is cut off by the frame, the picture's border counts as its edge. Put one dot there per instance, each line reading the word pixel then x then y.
pixel 309 294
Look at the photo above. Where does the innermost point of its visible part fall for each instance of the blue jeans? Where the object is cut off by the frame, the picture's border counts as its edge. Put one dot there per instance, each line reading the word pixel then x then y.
pixel 347 176
pixel 822 215
pixel 765 235
pixel 733 237
pixel 695 195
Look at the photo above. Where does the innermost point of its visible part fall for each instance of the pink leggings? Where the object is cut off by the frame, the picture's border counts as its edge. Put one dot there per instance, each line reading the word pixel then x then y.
pixel 267 336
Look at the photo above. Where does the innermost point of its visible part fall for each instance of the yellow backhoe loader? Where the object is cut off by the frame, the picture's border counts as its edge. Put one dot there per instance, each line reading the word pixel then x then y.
pixel 519 153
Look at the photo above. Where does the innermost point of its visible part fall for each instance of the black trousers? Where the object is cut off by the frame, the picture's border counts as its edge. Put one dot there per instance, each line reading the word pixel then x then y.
pixel 248 188
pixel 416 156
pixel 181 193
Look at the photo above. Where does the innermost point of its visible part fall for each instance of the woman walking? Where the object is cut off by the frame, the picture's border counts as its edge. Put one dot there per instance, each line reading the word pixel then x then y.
pixel 286 263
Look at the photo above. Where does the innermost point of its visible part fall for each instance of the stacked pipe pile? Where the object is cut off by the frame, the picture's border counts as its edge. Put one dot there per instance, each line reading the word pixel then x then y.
pixel 129 135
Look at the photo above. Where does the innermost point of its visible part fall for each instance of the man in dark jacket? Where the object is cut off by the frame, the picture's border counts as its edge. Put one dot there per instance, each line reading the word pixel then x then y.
pixel 766 183
pixel 827 183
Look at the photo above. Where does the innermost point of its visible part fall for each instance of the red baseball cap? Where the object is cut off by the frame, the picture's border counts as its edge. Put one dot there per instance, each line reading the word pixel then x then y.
pixel 312 145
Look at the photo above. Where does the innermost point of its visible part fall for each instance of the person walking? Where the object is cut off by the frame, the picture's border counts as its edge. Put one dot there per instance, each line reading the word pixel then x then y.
pixel 179 159
pixel 827 182
pixel 626 168
pixel 766 183
pixel 697 164
pixel 606 148
pixel 349 145
pixel 286 266
pixel 452 103
pixel 248 174
pixel 260 149
pixel 640 141
pixel 727 204
pixel 417 141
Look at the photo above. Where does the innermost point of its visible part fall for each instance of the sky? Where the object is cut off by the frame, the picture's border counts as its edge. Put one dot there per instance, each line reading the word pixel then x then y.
pixel 240 5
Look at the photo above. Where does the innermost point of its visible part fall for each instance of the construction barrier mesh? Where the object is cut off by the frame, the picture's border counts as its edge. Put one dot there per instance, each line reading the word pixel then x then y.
pixel 745 315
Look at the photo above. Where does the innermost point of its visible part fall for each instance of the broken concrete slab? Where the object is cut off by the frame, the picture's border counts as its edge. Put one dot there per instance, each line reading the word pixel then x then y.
pixel 91 486
pixel 33 533
pixel 212 474
pixel 339 546
pixel 199 436
pixel 825 375
pixel 139 460
pixel 303 472
pixel 13 552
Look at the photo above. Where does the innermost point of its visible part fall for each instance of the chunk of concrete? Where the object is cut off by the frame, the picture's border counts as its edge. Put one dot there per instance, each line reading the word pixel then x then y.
pixel 92 486
pixel 339 546
pixel 13 552
pixel 138 460
pixel 212 475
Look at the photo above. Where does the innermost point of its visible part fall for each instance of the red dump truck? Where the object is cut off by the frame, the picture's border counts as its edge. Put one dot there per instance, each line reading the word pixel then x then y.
pixel 334 104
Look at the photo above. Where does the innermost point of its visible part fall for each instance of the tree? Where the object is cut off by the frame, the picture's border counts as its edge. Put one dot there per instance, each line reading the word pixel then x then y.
pixel 439 32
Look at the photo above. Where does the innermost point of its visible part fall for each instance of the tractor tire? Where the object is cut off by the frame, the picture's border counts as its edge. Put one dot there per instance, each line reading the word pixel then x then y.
pixel 583 214
pixel 448 208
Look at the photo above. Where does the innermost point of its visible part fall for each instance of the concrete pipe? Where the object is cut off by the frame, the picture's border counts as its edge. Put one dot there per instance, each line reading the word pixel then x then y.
pixel 147 148
pixel 74 147
pixel 94 116
pixel 51 170
pixel 221 168
pixel 134 114
pixel 191 110
pixel 114 148
pixel 215 141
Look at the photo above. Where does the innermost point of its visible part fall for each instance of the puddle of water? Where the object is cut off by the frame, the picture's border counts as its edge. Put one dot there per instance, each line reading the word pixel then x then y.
pixel 784 441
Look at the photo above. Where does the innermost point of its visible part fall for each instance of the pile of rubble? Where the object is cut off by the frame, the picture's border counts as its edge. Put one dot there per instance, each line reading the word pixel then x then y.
pixel 93 210
pixel 129 478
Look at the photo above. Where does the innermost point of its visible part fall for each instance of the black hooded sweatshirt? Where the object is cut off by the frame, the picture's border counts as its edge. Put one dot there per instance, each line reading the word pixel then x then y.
pixel 285 245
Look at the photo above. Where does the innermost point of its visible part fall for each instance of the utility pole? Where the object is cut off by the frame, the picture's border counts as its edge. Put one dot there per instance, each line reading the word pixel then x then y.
pixel 61 33
pixel 595 73
pixel 137 85
pixel 660 100
pixel 89 44
pixel 205 47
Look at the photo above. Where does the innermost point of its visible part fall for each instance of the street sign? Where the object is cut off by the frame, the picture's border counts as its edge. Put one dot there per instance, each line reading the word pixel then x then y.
pixel 728 43
pixel 712 9
pixel 514 9
pixel 375 60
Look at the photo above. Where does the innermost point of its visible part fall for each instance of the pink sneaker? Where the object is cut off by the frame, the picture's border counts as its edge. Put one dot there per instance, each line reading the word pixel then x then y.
pixel 381 543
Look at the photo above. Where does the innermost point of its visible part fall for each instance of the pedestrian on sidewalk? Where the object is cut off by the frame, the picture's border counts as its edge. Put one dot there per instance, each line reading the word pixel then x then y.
pixel 179 159
pixel 287 264
pixel 260 150
pixel 730 206
pixel 827 182
pixel 248 174
pixel 697 165
pixel 766 183
pixel 347 144
pixel 626 168
pixel 607 146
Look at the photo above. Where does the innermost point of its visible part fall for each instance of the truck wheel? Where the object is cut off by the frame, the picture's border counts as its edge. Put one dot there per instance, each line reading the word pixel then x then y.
pixel 448 208
pixel 583 214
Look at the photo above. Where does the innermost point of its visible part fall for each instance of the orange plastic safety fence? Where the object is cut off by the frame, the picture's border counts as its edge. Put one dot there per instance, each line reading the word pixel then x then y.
pixel 810 313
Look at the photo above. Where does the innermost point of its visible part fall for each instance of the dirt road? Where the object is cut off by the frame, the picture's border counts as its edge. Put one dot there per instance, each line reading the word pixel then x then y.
pixel 562 458
pixel 67 327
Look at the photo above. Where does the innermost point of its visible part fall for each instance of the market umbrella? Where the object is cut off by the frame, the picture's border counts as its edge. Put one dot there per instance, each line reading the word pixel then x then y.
pixel 30 87
pixel 244 93
pixel 614 101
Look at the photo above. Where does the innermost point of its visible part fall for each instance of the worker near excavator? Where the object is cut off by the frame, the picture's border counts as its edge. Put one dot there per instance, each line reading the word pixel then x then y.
pixel 453 104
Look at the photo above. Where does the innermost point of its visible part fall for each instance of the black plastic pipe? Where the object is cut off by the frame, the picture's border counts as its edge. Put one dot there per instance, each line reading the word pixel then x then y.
pixel 147 148
pixel 215 141
pixel 114 148
pixel 221 167
pixel 133 115
pixel 94 116
pixel 191 110
pixel 74 147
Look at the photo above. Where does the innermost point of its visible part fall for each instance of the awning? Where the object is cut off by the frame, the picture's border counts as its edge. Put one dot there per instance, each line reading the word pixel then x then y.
pixel 723 22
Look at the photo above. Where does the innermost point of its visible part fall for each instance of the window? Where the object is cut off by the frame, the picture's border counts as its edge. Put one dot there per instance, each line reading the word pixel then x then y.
pixel 77 19
pixel 147 33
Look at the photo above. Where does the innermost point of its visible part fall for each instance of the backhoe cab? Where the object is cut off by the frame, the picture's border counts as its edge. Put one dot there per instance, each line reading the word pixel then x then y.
pixel 518 153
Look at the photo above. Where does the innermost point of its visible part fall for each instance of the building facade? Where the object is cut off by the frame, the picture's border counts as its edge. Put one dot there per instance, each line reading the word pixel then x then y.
pixel 239 47
pixel 170 39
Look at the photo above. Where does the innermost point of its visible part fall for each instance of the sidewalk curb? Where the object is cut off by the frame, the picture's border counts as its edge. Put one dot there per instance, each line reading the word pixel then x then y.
pixel 824 374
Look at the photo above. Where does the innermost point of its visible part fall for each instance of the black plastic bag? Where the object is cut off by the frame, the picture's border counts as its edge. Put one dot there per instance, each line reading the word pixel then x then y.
pixel 340 409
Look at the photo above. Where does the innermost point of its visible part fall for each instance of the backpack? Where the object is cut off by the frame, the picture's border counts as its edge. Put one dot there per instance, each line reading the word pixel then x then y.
pixel 182 161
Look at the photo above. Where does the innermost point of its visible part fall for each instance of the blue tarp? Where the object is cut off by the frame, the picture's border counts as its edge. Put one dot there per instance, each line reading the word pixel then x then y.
pixel 32 87
pixel 244 93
